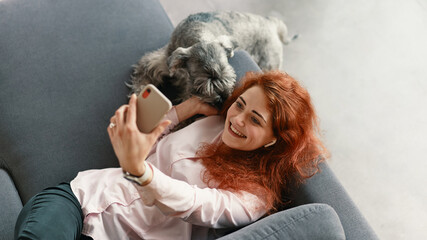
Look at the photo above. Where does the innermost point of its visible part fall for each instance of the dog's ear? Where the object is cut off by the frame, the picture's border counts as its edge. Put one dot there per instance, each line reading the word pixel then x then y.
pixel 228 43
pixel 178 59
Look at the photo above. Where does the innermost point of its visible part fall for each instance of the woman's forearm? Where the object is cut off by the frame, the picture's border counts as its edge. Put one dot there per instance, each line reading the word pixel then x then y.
pixel 186 109
pixel 193 106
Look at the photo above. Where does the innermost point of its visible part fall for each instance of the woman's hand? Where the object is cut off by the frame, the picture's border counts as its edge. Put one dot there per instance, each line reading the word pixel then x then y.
pixel 130 145
pixel 193 106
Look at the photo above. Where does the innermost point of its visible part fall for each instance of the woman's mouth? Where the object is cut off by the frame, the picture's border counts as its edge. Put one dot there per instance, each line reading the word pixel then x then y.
pixel 235 132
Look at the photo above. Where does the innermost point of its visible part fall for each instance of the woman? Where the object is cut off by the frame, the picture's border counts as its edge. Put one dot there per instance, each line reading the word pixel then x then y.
pixel 221 171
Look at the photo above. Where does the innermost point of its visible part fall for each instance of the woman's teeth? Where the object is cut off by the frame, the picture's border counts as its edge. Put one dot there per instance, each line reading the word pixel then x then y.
pixel 236 132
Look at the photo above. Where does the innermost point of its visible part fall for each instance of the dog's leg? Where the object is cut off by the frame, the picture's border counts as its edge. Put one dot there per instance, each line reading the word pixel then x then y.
pixel 151 68
pixel 270 60
pixel 268 52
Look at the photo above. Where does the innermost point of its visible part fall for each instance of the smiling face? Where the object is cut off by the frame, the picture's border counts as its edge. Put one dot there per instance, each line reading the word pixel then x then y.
pixel 248 124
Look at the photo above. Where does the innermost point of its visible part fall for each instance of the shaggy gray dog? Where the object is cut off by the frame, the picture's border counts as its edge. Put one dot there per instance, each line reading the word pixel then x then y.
pixel 195 61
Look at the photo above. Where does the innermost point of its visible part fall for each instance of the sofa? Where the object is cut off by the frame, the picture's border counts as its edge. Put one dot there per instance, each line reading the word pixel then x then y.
pixel 63 68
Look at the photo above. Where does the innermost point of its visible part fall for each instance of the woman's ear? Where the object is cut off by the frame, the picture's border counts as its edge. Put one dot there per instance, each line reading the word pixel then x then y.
pixel 271 143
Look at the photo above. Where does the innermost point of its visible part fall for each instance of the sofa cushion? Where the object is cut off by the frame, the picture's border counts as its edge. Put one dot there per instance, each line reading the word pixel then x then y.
pixel 242 63
pixel 63 65
pixel 312 221
pixel 10 205
pixel 324 187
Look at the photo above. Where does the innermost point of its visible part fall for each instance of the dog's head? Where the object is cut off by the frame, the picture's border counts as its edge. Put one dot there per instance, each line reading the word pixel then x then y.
pixel 205 66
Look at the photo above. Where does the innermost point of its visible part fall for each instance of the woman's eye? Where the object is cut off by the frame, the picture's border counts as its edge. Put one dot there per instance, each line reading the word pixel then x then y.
pixel 239 105
pixel 255 120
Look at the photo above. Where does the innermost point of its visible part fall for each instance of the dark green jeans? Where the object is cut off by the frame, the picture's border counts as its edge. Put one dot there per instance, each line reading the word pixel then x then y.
pixel 54 213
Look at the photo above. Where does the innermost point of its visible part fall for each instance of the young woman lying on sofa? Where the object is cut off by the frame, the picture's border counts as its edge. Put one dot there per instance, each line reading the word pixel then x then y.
pixel 221 171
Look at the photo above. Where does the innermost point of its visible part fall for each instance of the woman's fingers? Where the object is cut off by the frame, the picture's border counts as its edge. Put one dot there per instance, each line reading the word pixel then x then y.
pixel 159 130
pixel 113 119
pixel 126 114
pixel 110 132
pixel 111 126
pixel 120 118
pixel 131 112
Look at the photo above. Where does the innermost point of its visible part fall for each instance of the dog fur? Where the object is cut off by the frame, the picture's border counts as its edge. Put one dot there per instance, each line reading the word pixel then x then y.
pixel 195 61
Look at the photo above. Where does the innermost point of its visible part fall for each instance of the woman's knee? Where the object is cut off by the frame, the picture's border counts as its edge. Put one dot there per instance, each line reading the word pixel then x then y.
pixel 54 213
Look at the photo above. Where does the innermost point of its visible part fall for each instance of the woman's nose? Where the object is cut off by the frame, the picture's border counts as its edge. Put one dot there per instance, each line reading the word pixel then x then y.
pixel 240 120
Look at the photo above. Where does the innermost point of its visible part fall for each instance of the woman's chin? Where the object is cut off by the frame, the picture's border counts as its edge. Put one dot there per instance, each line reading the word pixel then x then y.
pixel 232 142
pixel 227 141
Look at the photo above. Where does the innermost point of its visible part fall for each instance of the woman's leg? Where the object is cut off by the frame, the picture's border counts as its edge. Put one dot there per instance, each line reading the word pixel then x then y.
pixel 54 213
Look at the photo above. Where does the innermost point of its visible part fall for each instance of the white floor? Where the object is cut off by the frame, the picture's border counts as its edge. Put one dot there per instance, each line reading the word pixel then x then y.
pixel 365 64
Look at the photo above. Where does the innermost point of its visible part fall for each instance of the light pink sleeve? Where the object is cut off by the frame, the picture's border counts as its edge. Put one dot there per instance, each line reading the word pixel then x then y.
pixel 201 206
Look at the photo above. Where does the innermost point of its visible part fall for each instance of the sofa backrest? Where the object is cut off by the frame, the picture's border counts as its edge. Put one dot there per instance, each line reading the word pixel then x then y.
pixel 63 68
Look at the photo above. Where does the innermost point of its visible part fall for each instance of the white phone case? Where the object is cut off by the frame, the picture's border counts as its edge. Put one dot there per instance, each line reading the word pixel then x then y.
pixel 151 108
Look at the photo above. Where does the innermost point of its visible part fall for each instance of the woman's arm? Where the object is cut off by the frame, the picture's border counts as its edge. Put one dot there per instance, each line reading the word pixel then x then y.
pixel 132 146
pixel 207 207
pixel 194 106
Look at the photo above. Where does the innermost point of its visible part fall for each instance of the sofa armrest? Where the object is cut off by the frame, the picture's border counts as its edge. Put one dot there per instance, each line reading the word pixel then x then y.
pixel 242 63
pixel 10 205
pixel 324 187
pixel 311 221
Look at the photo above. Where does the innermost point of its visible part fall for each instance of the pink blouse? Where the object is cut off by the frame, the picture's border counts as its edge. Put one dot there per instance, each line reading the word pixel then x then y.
pixel 177 204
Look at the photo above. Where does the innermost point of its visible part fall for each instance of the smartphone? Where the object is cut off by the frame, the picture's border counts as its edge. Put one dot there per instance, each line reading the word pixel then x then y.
pixel 152 106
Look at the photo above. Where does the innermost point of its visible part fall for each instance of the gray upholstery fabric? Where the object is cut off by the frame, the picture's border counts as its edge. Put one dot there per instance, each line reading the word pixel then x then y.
pixel 63 65
pixel 10 205
pixel 242 63
pixel 312 221
pixel 324 187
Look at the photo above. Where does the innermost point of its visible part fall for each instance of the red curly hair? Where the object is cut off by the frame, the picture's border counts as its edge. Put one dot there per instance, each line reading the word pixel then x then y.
pixel 269 171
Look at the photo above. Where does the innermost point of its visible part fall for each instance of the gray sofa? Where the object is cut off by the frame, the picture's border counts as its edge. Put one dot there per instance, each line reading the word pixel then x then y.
pixel 63 65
